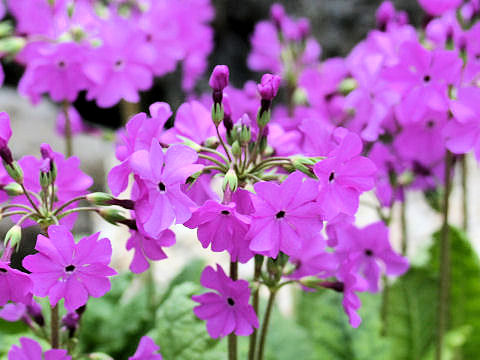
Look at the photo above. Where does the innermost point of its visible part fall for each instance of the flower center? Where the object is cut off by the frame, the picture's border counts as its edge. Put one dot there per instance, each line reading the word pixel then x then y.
pixel 368 252
pixel 230 301
pixel 225 212
pixel 69 268
pixel 427 78
pixel 280 214
pixel 3 270
pixel 161 187
pixel 331 177
pixel 119 64
pixel 61 64
pixel 430 124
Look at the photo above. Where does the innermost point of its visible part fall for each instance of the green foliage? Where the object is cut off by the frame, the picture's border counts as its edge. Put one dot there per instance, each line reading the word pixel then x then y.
pixel 411 320
pixel 464 287
pixel 115 323
pixel 178 332
pixel 322 316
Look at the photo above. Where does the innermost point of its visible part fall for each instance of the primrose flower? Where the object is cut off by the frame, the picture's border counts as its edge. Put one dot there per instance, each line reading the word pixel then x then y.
pixel 160 177
pixel 31 350
pixel 69 270
pixel 285 215
pixel 15 285
pixel 227 310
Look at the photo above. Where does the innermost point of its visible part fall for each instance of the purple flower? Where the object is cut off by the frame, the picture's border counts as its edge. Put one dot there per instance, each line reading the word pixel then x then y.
pixel 56 69
pixel 227 310
pixel 367 248
pixel 159 177
pixel 69 270
pixel 285 215
pixel 268 86
pixel 219 78
pixel 31 350
pixel 147 350
pixel 223 227
pixel 146 247
pixel 5 135
pixel 15 285
pixel 13 312
pixel 439 7
pixel 343 176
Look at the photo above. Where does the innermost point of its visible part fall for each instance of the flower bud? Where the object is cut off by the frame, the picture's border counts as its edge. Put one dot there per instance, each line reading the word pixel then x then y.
pixel 190 143
pixel 219 78
pixel 12 45
pixel 15 171
pixel 217 113
pixel 263 117
pixel 211 142
pixel 70 321
pixel 268 86
pixel 5 152
pixel 13 236
pixel 277 13
pixel 347 86
pixel 112 215
pixel 35 312
pixel 45 179
pixel 236 149
pixel 13 189
pixel 99 198
pixel 230 180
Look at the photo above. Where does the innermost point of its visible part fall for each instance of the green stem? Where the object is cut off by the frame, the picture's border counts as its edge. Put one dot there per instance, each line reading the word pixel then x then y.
pixel 68 212
pixel 212 159
pixel 464 166
pixel 206 149
pixel 21 206
pixel 54 328
pixel 266 321
pixel 27 194
pixel 232 338
pixel 444 286
pixel 404 226
pixel 255 301
pixel 223 144
pixel 384 309
pixel 68 130
pixel 69 202
pixel 11 213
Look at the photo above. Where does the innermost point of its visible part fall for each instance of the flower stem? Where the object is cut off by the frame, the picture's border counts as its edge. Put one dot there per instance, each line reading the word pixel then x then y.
pixel 27 194
pixel 404 226
pixel 78 198
pixel 464 165
pixel 232 338
pixel 266 320
pixel 223 144
pixel 444 286
pixel 212 159
pixel 68 212
pixel 255 301
pixel 68 130
pixel 54 328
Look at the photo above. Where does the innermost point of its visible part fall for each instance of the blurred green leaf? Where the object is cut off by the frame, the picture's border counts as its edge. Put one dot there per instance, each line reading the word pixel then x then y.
pixel 178 332
pixel 464 287
pixel 322 316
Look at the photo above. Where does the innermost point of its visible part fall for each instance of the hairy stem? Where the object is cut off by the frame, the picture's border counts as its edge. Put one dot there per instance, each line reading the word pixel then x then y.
pixel 404 226
pixel 255 301
pixel 68 130
pixel 464 166
pixel 444 286
pixel 266 321
pixel 54 328
pixel 232 338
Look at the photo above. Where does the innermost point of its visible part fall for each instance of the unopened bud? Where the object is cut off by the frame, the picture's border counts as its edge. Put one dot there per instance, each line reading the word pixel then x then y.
pixel 99 198
pixel 230 180
pixel 236 149
pixel 190 143
pixel 347 86
pixel 212 142
pixel 12 45
pixel 99 356
pixel 15 171
pixel 263 117
pixel 13 189
pixel 113 216
pixel 45 179
pixel 13 236
pixel 217 113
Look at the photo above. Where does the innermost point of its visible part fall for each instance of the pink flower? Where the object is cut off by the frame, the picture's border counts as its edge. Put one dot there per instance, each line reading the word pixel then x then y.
pixel 69 270
pixel 31 350
pixel 439 7
pixel 227 310
pixel 147 350
pixel 146 247
pixel 285 215
pixel 55 69
pixel 15 285
pixel 343 176
pixel 367 249
pixel 222 226
pixel 159 177
pixel 115 70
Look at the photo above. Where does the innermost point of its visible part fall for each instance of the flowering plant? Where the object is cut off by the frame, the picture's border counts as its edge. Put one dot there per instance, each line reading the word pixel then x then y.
pixel 273 176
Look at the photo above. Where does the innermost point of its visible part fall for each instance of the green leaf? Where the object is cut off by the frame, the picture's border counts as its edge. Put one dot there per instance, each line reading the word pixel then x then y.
pixel 411 319
pixel 322 316
pixel 178 332
pixel 464 287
